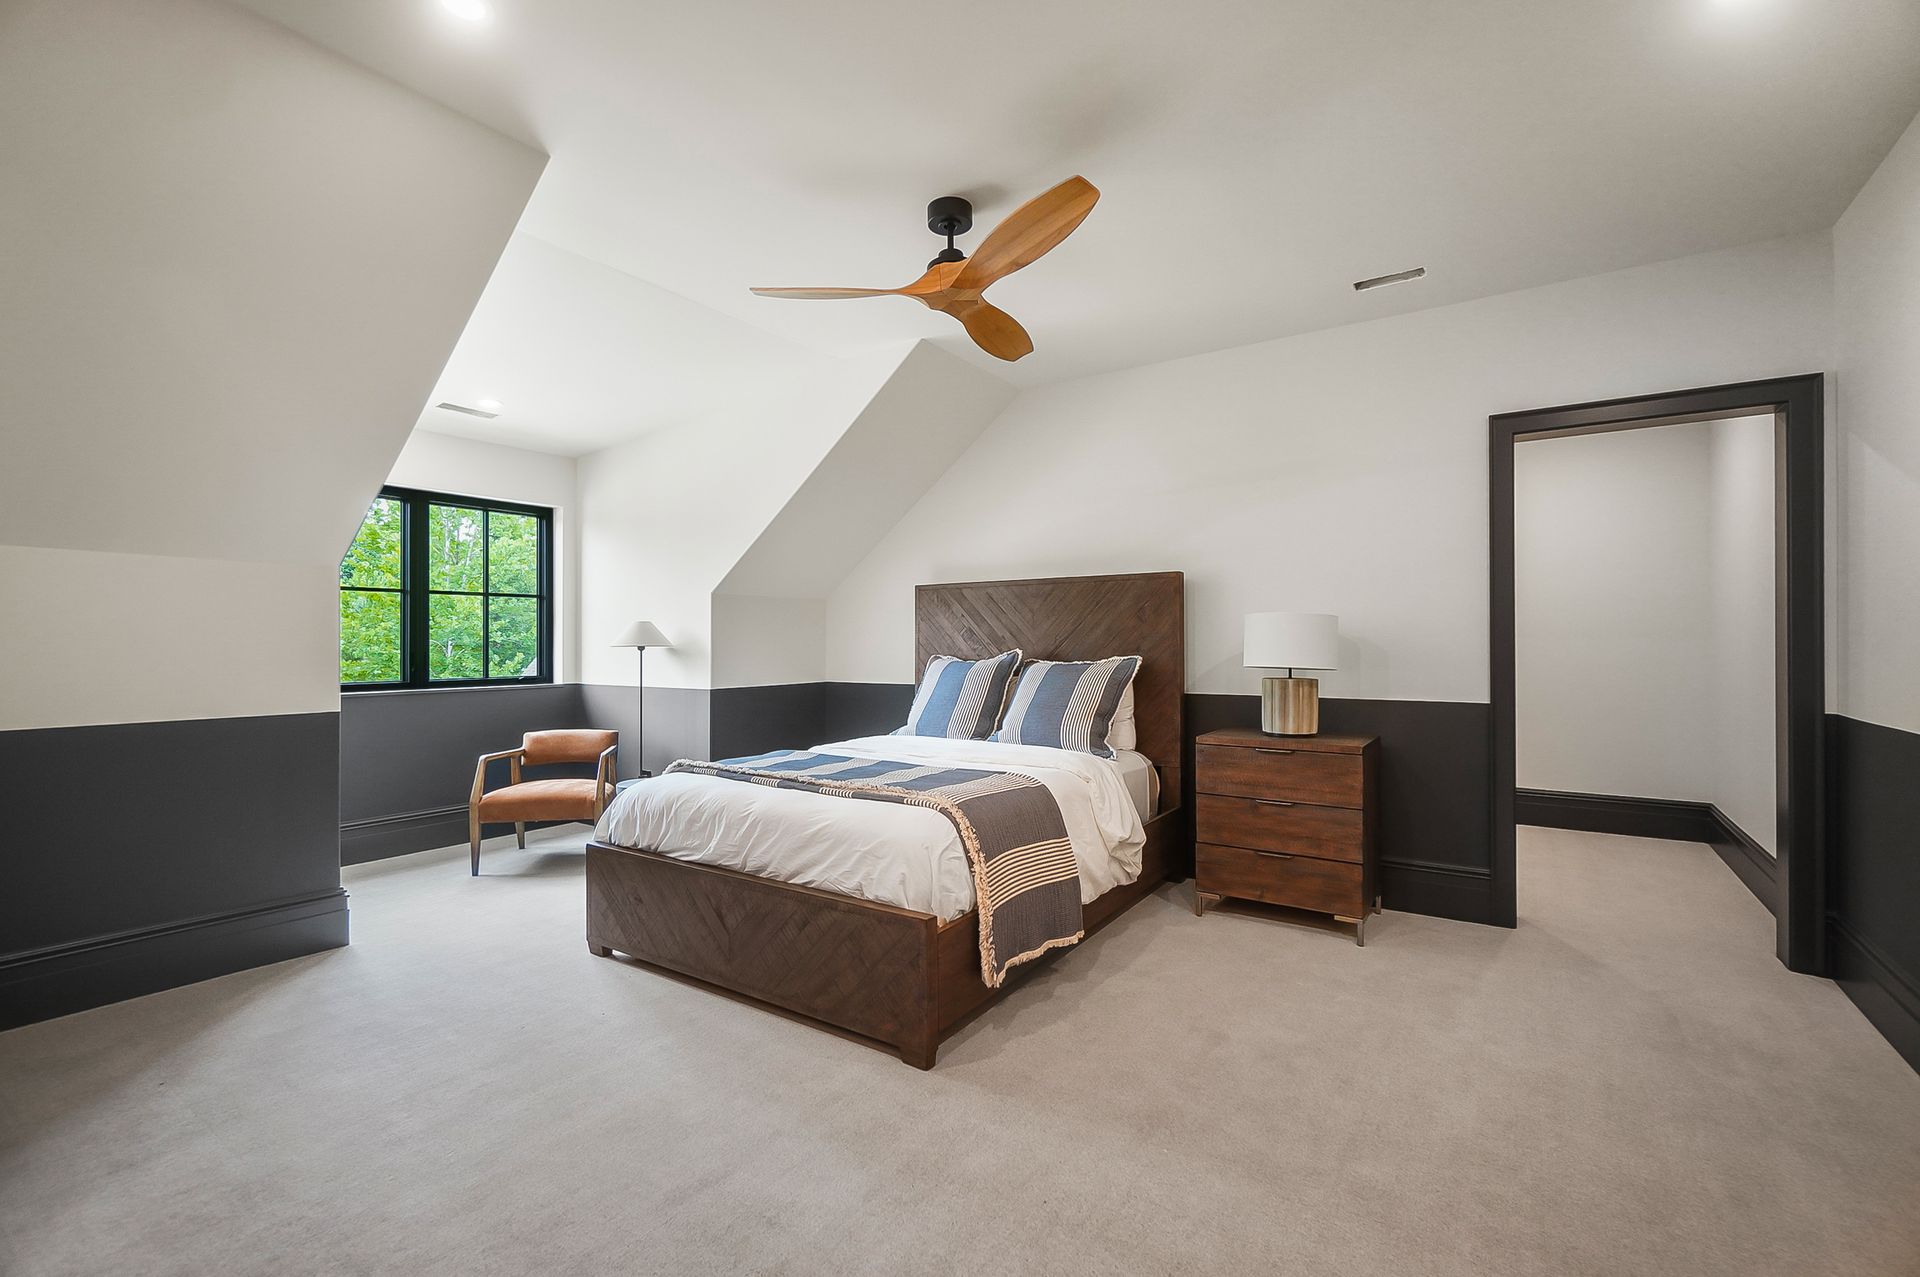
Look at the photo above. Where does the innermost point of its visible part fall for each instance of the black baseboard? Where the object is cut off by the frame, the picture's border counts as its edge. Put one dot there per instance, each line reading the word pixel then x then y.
pixel 383 837
pixel 1612 814
pixel 1668 818
pixel 1882 992
pixel 379 837
pixel 77 977
pixel 1748 860
pixel 1439 891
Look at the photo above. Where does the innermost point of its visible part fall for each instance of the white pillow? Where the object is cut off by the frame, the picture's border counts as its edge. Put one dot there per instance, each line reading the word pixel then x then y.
pixel 1121 733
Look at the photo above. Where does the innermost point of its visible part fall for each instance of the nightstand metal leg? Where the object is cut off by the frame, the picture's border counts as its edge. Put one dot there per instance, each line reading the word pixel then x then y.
pixel 1359 926
pixel 1203 900
pixel 1376 904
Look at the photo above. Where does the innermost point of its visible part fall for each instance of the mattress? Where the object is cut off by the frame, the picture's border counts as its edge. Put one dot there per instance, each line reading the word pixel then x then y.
pixel 891 853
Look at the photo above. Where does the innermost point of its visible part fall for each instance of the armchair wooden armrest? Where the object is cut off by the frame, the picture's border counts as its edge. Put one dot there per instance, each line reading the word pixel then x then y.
pixel 480 771
pixel 603 779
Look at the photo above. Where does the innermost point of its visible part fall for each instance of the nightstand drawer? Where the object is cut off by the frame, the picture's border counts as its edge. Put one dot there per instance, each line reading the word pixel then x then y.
pixel 1274 771
pixel 1332 833
pixel 1327 886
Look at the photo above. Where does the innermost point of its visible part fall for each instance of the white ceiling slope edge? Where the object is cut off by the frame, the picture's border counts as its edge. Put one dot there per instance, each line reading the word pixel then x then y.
pixel 233 262
pixel 1255 159
pixel 929 412
pixel 665 517
pixel 581 356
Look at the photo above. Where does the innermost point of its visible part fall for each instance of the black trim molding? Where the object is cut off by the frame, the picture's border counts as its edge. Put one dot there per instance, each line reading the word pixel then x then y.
pixel 1656 818
pixel 63 979
pixel 1798 404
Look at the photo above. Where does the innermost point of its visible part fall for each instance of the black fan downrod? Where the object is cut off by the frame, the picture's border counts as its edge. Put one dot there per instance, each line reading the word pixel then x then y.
pixel 950 215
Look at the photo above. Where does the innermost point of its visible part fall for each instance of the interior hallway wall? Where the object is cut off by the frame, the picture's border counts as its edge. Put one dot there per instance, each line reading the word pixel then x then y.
pixel 1644 653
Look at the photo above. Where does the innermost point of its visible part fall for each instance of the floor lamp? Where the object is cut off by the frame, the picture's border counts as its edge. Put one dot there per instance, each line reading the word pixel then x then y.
pixel 642 635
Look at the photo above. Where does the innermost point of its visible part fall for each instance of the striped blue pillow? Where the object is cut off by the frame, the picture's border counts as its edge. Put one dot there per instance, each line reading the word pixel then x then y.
pixel 1067 704
pixel 960 699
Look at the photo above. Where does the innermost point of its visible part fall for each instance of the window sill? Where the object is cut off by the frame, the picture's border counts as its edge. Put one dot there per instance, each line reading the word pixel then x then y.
pixel 442 691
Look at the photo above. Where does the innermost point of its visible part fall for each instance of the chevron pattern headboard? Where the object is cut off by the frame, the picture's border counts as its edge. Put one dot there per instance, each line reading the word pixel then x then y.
pixel 1077 618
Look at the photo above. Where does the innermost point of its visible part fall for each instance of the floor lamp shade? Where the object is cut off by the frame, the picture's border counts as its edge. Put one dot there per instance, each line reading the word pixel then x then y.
pixel 1291 641
pixel 641 635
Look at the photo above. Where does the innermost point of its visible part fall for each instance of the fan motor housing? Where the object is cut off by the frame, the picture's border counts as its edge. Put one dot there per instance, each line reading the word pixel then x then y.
pixel 950 215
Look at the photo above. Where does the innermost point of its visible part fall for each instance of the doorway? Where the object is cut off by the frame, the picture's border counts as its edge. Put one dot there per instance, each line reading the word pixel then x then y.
pixel 1796 405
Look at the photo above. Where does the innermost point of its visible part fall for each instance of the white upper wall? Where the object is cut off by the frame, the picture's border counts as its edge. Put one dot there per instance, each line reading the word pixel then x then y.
pixel 929 411
pixel 1643 608
pixel 1876 248
pixel 666 517
pixel 1341 471
pixel 1744 779
pixel 1613 613
pixel 233 264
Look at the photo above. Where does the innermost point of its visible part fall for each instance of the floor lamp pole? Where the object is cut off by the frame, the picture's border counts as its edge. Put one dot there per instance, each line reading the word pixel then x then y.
pixel 640 714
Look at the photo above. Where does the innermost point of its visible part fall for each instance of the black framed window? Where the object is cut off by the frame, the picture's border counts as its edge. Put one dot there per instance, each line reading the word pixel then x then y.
pixel 445 591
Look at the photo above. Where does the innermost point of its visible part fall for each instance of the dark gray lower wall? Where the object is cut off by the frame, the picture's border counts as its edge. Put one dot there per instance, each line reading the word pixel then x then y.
pixel 407 758
pixel 139 856
pixel 1434 770
pixel 1873 849
pixel 1434 811
pixel 1435 841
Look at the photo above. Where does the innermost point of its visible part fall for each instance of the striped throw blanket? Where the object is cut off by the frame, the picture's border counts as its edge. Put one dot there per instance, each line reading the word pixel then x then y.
pixel 1024 875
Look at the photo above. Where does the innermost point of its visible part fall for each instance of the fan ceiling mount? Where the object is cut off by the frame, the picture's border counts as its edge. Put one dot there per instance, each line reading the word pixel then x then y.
pixel 954 281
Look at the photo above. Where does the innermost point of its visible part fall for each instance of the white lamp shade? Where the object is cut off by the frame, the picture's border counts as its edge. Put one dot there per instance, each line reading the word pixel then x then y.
pixel 642 634
pixel 1292 640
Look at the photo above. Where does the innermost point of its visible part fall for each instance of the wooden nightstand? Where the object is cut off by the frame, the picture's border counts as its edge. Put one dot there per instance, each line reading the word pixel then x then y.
pixel 1288 820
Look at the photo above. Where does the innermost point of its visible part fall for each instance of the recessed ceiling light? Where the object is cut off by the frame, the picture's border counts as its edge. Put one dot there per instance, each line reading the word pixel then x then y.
pixel 471 10
pixel 1381 281
pixel 487 405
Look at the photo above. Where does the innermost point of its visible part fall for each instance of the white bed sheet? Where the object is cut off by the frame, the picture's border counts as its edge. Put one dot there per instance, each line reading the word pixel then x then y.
pixel 889 852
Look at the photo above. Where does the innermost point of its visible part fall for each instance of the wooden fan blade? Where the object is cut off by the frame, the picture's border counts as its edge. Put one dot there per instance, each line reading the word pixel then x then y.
pixel 824 294
pixel 1029 232
pixel 992 329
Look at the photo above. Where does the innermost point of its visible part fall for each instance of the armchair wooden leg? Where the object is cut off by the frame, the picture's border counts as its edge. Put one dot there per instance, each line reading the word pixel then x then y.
pixel 520 833
pixel 473 837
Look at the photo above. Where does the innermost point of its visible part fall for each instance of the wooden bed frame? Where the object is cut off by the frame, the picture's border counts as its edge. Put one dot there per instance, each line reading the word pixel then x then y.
pixel 895 978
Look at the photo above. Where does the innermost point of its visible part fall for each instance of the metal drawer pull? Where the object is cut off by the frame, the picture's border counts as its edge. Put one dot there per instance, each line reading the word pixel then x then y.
pixel 1258 750
pixel 1277 855
pixel 1272 802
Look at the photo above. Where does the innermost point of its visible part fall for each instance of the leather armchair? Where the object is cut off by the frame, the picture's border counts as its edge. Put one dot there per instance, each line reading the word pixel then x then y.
pixel 520 801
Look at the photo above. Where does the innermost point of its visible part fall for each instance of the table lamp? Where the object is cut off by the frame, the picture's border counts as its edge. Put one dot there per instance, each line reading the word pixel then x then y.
pixel 1291 641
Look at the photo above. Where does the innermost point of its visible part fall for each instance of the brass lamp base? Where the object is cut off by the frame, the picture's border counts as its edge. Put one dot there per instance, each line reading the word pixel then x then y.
pixel 1290 706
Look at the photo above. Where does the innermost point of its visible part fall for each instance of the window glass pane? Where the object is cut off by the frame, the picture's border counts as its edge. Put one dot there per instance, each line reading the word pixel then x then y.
pixel 455 553
pixel 369 637
pixel 453 637
pixel 513 553
pixel 374 556
pixel 513 647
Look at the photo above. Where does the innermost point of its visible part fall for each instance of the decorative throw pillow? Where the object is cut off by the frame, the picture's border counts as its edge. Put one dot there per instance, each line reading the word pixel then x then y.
pixel 960 699
pixel 1067 704
pixel 1122 734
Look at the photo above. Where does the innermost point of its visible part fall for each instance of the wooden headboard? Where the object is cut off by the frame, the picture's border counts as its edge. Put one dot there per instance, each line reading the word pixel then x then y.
pixel 1076 618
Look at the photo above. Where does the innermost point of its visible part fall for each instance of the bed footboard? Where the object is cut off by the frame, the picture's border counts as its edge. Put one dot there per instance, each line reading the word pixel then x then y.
pixel 863 967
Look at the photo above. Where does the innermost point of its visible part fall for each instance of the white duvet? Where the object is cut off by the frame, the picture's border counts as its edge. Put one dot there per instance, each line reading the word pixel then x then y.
pixel 889 852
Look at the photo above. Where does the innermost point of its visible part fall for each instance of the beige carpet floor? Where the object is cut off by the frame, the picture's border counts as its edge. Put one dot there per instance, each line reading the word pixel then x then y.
pixel 1628 1083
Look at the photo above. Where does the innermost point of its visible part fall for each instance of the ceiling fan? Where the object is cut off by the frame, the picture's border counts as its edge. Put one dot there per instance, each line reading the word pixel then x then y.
pixel 953 282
